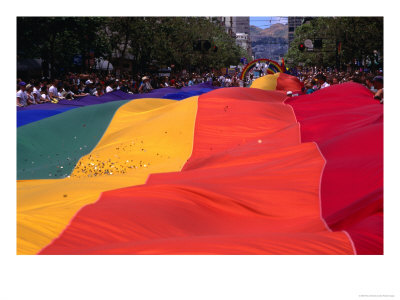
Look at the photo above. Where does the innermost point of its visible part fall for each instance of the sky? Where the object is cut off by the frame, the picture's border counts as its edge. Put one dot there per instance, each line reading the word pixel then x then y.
pixel 265 22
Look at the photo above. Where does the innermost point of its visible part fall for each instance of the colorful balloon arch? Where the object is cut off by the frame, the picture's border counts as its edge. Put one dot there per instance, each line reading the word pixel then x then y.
pixel 273 66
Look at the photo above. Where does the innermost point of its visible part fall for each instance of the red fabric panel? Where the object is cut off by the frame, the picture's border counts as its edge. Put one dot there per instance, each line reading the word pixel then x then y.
pixel 288 82
pixel 347 124
pixel 367 234
pixel 249 187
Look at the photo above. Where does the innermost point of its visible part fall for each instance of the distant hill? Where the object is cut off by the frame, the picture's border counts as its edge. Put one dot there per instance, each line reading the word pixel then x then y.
pixel 270 42
pixel 276 30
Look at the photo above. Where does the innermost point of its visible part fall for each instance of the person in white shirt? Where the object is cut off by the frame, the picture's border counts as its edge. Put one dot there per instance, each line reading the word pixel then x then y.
pixel 44 97
pixel 22 97
pixel 145 86
pixel 53 92
pixel 324 85
pixel 265 69
pixel 69 94
pixel 36 92
pixel 322 81
pixel 118 84
pixel 61 93
pixel 166 84
pixel 109 88
pixel 228 81
pixel 29 93
pixel 250 80
pixel 98 91
pixel 221 79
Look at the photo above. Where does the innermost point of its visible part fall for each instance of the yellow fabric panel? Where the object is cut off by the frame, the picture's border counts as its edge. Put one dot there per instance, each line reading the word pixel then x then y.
pixel 267 82
pixel 145 136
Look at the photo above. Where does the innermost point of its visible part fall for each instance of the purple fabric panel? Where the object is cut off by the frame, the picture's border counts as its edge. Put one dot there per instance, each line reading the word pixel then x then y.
pixel 115 96
pixel 160 93
pixel 91 100
pixel 44 106
pixel 84 101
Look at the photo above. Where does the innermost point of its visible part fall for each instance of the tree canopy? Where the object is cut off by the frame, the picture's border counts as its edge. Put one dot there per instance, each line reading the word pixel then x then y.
pixel 147 41
pixel 344 41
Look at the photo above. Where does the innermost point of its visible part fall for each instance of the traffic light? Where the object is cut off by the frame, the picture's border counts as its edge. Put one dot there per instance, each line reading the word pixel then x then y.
pixel 317 43
pixel 206 45
pixel 202 45
pixel 302 47
pixel 197 45
pixel 215 48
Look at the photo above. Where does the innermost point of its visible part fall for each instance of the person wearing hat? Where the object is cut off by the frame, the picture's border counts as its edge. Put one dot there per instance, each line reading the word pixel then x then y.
pixel 22 97
pixel 90 88
pixel 289 93
pixel 117 84
pixel 145 86
pixel 30 97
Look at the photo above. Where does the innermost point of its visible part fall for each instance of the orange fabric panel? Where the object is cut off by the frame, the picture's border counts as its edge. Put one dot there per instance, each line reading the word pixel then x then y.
pixel 288 82
pixel 229 118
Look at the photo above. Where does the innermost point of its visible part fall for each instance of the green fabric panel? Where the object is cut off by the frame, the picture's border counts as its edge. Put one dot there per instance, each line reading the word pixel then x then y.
pixel 50 148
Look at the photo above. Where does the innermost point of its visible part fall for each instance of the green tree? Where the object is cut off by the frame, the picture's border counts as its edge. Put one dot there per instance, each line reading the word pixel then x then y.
pixel 58 39
pixel 359 37
pixel 169 41
pixel 149 42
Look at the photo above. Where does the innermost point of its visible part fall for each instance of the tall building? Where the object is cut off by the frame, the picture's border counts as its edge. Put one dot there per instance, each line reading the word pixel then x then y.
pixel 241 25
pixel 238 28
pixel 235 25
pixel 241 29
pixel 293 23
pixel 243 40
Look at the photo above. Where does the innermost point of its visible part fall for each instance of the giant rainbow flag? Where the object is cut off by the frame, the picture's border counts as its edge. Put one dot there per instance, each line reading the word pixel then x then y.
pixel 204 171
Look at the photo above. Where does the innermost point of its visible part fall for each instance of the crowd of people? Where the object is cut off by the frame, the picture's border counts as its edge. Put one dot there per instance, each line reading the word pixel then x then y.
pixel 315 79
pixel 73 86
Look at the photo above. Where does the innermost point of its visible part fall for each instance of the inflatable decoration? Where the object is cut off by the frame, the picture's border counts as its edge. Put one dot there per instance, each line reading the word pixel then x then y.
pixel 273 67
